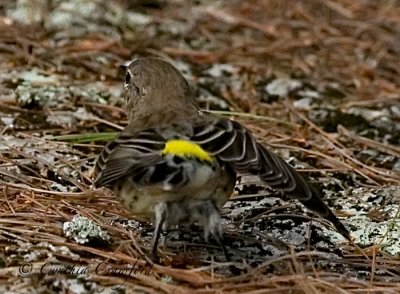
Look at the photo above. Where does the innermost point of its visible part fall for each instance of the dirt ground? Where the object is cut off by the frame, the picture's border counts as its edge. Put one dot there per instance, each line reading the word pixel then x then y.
pixel 317 81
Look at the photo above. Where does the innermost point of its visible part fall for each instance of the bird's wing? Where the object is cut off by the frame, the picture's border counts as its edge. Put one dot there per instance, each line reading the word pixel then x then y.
pixel 129 154
pixel 234 145
pixel 139 156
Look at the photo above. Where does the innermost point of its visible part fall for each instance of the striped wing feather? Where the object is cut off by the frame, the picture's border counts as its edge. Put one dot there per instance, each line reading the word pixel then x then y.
pixel 139 156
pixel 234 145
pixel 129 154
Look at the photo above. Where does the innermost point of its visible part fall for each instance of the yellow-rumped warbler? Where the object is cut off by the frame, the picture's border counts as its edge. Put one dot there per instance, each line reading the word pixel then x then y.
pixel 178 164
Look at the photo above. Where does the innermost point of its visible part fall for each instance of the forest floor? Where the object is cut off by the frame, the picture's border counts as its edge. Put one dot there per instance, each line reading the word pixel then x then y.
pixel 316 81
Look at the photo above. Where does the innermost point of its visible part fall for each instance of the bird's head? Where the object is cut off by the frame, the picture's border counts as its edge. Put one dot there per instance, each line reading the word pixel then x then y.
pixel 153 86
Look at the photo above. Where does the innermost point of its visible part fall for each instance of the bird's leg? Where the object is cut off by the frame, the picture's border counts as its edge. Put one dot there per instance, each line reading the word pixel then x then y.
pixel 212 225
pixel 160 215
pixel 220 241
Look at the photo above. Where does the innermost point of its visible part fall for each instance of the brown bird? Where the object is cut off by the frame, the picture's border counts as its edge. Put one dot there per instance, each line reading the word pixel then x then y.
pixel 177 164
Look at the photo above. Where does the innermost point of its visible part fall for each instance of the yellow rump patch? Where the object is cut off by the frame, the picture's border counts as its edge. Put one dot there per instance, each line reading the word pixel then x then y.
pixel 185 148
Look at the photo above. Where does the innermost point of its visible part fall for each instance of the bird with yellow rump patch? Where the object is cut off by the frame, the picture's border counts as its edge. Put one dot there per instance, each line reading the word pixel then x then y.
pixel 175 164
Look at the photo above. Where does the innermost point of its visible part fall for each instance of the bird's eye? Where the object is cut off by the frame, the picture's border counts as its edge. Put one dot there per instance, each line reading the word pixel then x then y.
pixel 127 78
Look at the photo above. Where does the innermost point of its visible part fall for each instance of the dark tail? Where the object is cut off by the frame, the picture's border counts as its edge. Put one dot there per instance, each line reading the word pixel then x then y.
pixel 315 203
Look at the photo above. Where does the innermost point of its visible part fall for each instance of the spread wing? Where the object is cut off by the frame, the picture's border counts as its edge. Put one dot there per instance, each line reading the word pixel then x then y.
pixel 138 155
pixel 234 145
pixel 129 154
